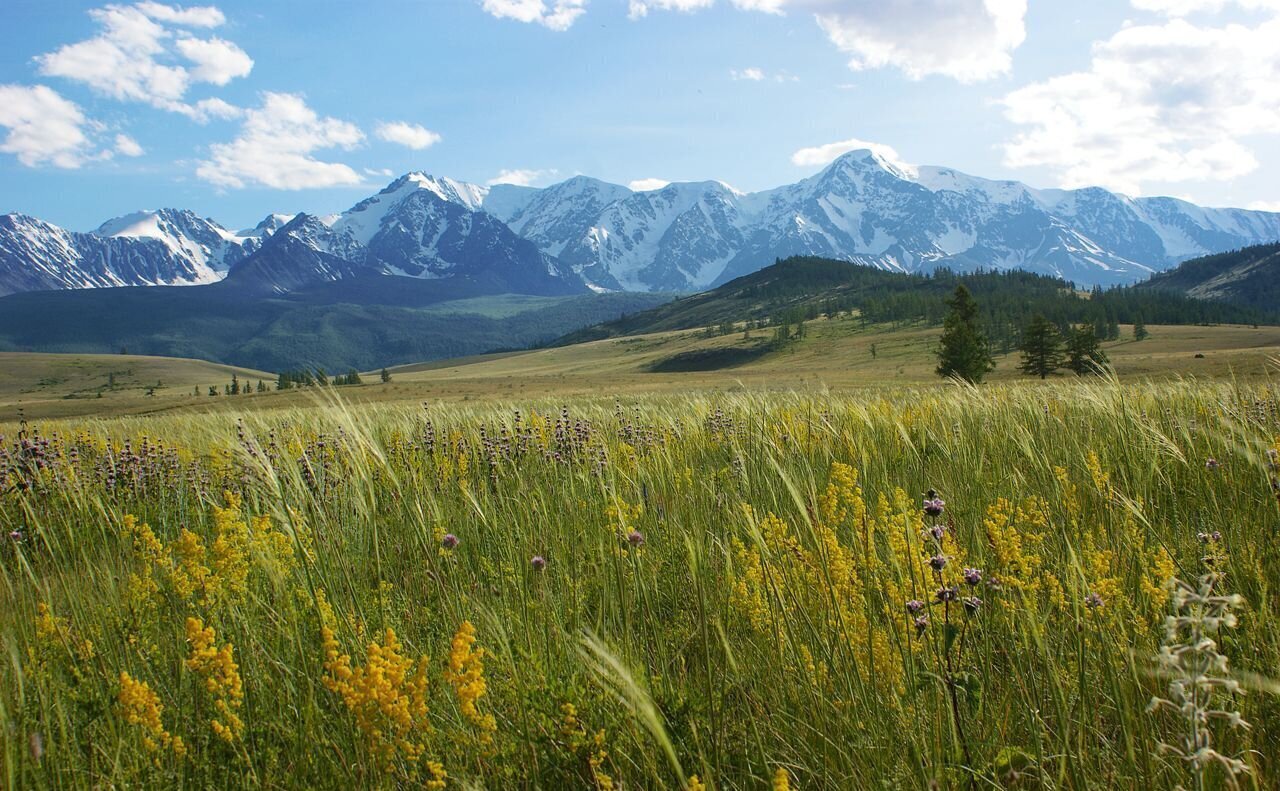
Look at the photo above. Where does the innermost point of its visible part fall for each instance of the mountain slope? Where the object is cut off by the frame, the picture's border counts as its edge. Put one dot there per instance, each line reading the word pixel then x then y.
pixel 1249 276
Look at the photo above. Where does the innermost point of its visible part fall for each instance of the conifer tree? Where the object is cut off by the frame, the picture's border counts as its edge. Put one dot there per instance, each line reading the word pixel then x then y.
pixel 386 376
pixel 1084 352
pixel 964 352
pixel 1041 348
pixel 1140 329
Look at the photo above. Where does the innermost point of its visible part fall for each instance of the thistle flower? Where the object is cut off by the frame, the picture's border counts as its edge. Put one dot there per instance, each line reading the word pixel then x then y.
pixel 635 538
pixel 538 562
pixel 933 504
pixel 915 606
pixel 449 541
pixel 972 576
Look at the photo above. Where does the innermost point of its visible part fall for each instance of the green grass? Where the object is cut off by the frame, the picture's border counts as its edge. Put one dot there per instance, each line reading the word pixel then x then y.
pixel 730 645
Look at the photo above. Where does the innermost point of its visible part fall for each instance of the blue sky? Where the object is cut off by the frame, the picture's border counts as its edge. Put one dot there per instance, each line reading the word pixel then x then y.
pixel 238 109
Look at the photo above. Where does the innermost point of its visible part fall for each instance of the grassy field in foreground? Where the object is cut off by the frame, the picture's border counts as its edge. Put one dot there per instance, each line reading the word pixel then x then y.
pixel 726 591
pixel 835 355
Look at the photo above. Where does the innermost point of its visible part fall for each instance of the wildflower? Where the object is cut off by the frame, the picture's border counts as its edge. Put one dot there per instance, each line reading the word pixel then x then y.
pixel 449 541
pixel 915 606
pixel 635 538
pixel 1093 601
pixel 938 532
pixel 466 674
pixel 16 535
pixel 972 576
pixel 921 622
pixel 1209 538
pixel 933 504
pixel 937 562
pixel 221 674
pixel 141 706
pixel 695 784
pixel 538 562
pixel 947 594
pixel 1212 464
pixel 781 780
pixel 971 604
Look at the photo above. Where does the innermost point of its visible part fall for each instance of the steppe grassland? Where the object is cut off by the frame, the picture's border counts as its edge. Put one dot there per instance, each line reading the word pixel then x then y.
pixel 725 591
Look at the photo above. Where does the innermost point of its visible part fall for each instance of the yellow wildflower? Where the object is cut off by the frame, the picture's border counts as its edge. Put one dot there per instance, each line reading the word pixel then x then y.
pixel 221 678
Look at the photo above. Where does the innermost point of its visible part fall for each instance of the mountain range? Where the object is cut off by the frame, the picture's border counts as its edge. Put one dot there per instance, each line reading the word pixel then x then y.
pixel 588 235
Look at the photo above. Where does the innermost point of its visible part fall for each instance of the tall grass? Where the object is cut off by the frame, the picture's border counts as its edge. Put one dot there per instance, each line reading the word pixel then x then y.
pixel 725 593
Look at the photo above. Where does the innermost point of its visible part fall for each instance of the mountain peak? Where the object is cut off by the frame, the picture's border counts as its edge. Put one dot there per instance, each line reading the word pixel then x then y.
pixel 879 157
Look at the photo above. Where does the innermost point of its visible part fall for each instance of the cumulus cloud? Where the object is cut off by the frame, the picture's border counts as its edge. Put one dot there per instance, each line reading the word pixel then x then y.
pixel 553 14
pixel 215 60
pixel 751 73
pixel 645 185
pixel 1163 102
pixel 1188 7
pixel 521 177
pixel 127 146
pixel 408 135
pixel 144 53
pixel 640 8
pixel 276 147
pixel 207 109
pixel 1262 205
pixel 379 172
pixel 817 156
pixel 43 127
pixel 968 40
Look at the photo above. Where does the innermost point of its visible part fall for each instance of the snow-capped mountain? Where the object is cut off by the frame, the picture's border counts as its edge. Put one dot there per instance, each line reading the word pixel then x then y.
pixel 865 209
pixel 685 236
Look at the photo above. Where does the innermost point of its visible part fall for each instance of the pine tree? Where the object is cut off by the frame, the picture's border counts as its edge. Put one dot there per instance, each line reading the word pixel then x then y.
pixel 386 376
pixel 1041 348
pixel 1084 353
pixel 1140 330
pixel 235 385
pixel 964 352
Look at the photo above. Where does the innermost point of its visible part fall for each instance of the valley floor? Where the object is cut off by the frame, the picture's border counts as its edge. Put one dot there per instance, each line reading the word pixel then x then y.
pixel 834 355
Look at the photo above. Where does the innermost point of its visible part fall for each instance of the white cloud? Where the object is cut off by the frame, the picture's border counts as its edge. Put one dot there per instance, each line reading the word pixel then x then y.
pixel 645 185
pixel 43 127
pixel 127 146
pixel 408 135
pixel 521 177
pixel 640 8
pixel 206 109
pixel 751 73
pixel 134 56
pixel 384 173
pixel 817 156
pixel 275 148
pixel 1262 205
pixel 968 40
pixel 216 60
pixel 196 16
pixel 1188 7
pixel 1166 102
pixel 557 15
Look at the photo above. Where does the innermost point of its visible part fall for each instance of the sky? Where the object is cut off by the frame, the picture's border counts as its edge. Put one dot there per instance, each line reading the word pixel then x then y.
pixel 243 108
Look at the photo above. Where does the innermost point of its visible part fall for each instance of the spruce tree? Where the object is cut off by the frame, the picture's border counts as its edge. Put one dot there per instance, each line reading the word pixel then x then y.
pixel 1041 348
pixel 963 352
pixel 1084 352
pixel 1140 329
pixel 386 376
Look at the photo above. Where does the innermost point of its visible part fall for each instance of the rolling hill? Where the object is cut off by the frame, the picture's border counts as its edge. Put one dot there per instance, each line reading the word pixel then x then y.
pixel 1249 276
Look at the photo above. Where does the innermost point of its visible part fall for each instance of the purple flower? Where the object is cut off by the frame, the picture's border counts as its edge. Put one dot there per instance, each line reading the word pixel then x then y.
pixel 937 562
pixel 1093 601
pixel 971 604
pixel 915 606
pixel 946 594
pixel 934 506
pixel 538 562
pixel 938 531
pixel 922 623
pixel 449 541
pixel 1212 464
pixel 635 538
pixel 972 576
pixel 16 535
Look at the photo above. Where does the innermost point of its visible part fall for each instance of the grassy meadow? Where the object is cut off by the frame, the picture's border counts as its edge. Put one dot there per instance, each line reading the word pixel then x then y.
pixel 733 590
